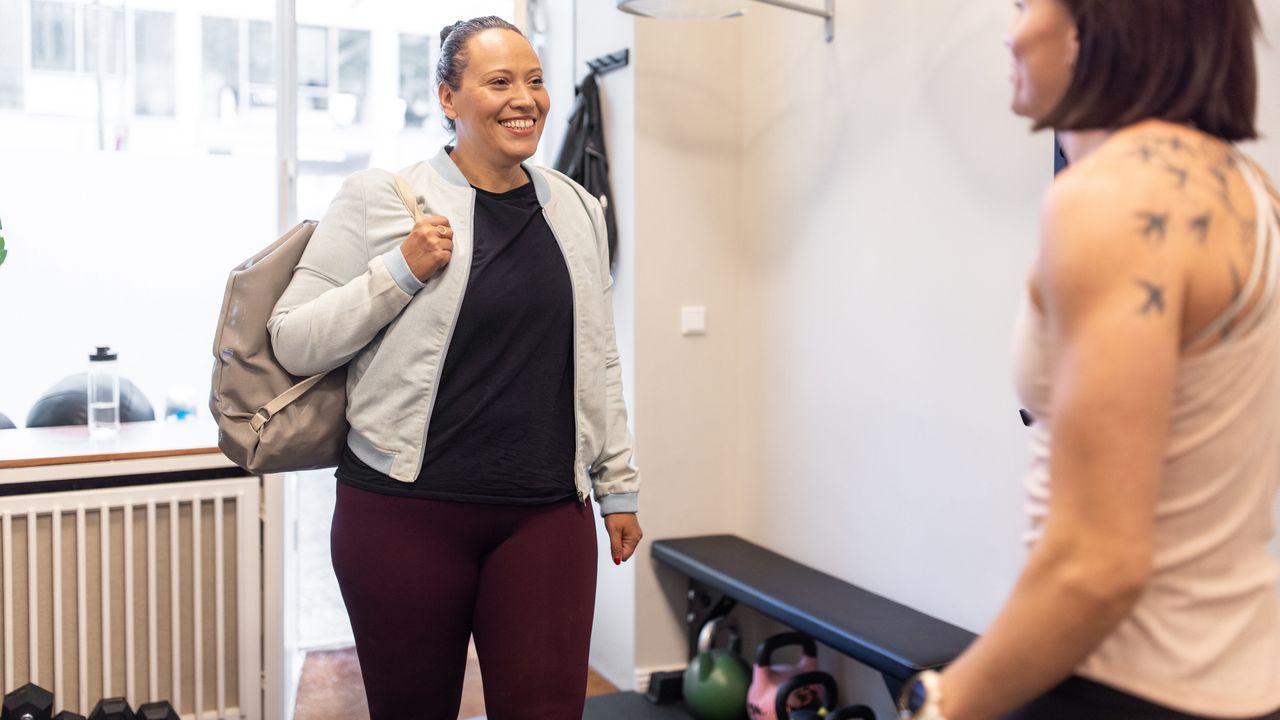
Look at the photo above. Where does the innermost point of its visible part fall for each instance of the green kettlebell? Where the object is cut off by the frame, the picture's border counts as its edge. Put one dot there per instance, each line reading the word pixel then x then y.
pixel 716 681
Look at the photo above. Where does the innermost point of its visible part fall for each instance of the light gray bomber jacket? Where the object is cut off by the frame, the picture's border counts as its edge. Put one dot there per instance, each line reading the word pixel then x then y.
pixel 354 300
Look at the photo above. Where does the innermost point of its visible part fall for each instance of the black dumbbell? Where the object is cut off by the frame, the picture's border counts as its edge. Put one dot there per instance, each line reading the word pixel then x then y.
pixel 29 702
pixel 853 712
pixel 158 711
pixel 116 708
pixel 68 715
pixel 826 685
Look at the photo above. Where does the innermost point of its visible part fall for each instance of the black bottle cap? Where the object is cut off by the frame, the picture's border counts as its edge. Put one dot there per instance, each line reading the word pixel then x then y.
pixel 104 353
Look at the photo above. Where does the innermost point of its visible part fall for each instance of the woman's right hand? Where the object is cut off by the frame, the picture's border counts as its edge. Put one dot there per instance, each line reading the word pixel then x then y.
pixel 429 247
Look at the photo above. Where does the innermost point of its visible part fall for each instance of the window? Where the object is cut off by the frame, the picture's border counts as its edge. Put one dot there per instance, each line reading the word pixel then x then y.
pixel 416 78
pixel 262 64
pixel 55 27
pixel 53 33
pixel 155 93
pixel 313 68
pixel 103 33
pixel 262 48
pixel 353 76
pixel 135 96
pixel 220 68
pixel 11 55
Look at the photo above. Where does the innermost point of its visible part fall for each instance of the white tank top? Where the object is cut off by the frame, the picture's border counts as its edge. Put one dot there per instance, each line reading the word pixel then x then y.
pixel 1204 638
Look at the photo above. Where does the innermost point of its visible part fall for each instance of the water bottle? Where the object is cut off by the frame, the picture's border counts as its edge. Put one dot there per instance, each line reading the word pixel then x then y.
pixel 104 393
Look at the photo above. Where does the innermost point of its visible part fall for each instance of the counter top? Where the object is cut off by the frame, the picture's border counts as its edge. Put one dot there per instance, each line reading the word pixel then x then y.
pixel 35 447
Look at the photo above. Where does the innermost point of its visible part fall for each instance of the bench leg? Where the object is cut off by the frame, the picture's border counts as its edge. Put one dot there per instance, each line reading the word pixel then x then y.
pixel 894 685
pixel 704 604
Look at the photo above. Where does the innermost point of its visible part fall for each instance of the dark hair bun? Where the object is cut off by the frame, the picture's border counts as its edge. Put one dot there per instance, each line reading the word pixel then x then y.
pixel 444 31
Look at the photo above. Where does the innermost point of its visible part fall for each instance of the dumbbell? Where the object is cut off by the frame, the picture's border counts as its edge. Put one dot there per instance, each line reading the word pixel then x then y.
pixel 68 715
pixel 853 712
pixel 29 702
pixel 116 708
pixel 157 711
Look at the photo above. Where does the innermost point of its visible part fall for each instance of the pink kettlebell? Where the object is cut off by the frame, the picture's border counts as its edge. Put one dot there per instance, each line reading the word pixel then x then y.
pixel 767 677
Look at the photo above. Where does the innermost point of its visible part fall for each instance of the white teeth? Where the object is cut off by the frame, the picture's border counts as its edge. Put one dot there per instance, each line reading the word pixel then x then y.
pixel 523 124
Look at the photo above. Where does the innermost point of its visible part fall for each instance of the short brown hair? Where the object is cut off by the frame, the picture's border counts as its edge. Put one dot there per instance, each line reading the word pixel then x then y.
pixel 1176 60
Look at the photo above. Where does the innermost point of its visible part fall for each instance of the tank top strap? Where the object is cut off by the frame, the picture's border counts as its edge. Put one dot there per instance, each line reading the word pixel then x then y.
pixel 1266 262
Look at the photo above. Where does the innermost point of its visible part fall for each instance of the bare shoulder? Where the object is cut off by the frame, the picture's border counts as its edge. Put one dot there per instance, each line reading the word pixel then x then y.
pixel 1103 219
pixel 1126 221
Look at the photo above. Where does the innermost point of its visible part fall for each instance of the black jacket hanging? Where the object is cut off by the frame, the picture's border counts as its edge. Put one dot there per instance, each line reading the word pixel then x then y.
pixel 583 156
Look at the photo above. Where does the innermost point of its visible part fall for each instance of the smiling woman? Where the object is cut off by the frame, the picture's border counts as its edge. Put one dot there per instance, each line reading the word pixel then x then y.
pixel 494 99
pixel 485 401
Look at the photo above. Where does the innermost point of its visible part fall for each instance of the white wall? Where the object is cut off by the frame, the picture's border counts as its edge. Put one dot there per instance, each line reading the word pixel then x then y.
pixel 691 392
pixel 902 198
pixel 862 251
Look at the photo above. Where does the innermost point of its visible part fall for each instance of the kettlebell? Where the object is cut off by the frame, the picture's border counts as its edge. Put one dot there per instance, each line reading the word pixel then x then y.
pixel 716 681
pixel 767 677
pixel 853 712
pixel 802 683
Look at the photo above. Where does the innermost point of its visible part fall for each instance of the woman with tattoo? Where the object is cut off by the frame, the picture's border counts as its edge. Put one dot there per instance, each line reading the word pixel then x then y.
pixel 1149 357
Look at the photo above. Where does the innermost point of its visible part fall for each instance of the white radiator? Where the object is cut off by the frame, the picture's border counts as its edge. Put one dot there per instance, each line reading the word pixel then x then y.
pixel 146 592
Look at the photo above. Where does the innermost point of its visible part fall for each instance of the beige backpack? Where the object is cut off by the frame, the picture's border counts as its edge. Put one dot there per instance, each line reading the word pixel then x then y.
pixel 268 420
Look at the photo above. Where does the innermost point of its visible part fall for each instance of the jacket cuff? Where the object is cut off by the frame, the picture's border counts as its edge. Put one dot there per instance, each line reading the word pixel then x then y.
pixel 619 503
pixel 400 272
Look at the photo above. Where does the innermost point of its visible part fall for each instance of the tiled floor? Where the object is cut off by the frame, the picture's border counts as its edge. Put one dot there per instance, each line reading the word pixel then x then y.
pixel 331 688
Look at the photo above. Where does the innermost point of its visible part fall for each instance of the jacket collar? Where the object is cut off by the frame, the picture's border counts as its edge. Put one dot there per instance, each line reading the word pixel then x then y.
pixel 443 164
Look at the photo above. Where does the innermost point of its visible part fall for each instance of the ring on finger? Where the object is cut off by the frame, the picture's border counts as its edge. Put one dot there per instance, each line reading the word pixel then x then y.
pixel 442 231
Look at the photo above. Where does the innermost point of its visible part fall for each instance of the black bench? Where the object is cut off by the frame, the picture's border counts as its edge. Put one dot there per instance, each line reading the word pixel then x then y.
pixel 892 638
pixel 725 570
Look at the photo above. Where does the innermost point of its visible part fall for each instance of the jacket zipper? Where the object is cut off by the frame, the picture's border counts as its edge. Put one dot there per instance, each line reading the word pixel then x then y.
pixel 573 288
pixel 448 338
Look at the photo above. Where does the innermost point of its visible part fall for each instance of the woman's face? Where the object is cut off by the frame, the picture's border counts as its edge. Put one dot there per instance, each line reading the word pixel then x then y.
pixel 500 106
pixel 1044 42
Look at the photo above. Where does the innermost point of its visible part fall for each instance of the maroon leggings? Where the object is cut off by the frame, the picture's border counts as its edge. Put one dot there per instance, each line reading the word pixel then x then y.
pixel 420 577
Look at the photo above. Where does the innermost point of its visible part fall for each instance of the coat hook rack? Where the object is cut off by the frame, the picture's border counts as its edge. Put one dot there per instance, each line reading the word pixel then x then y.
pixel 609 63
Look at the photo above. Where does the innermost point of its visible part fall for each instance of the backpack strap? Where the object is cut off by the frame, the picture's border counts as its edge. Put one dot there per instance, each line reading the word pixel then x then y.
pixel 283 400
pixel 408 197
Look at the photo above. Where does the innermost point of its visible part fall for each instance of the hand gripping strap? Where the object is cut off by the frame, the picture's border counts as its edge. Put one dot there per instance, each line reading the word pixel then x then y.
pixel 407 197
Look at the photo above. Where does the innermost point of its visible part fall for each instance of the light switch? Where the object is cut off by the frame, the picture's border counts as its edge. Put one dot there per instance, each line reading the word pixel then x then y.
pixel 693 320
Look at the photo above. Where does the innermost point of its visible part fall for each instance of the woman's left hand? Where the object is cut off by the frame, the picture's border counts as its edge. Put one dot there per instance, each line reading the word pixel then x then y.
pixel 624 535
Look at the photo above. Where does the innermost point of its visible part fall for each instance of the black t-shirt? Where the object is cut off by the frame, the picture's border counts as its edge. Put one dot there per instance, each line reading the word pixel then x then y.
pixel 502 428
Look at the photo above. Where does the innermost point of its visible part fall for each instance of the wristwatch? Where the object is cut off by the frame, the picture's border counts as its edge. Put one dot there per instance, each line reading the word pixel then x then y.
pixel 921 697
